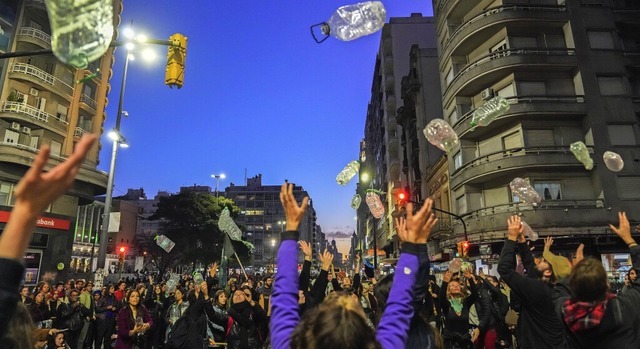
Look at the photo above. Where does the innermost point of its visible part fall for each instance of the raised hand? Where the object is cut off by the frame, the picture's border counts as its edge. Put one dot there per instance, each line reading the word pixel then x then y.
pixel 326 258
pixel 624 230
pixel 514 224
pixel 548 241
pixel 401 226
pixel 417 230
pixel 213 270
pixel 306 249
pixel 579 254
pixel 292 210
pixel 446 277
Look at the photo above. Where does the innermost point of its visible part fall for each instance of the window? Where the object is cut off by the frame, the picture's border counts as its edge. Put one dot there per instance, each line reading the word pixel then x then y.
pixel 449 76
pixel 540 138
pixel 500 49
pixel 461 204
pixel 549 190
pixel 512 141
pixel 61 112
pixel 600 40
pixel 457 160
pixel 611 85
pixel 628 187
pixel 622 135
pixel 6 190
pixel 254 212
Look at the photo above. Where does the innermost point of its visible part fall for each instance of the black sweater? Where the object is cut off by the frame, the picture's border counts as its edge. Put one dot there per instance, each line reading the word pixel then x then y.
pixel 539 326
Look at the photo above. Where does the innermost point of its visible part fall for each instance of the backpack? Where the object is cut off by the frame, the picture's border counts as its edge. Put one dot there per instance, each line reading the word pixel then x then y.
pixel 184 335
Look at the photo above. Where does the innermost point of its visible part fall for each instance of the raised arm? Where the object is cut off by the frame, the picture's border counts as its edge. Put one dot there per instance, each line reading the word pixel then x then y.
pixel 284 306
pixel 394 323
pixel 320 286
pixel 35 191
pixel 305 274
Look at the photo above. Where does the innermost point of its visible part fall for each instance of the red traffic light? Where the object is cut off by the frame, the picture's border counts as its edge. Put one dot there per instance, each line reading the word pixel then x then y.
pixel 466 244
pixel 122 249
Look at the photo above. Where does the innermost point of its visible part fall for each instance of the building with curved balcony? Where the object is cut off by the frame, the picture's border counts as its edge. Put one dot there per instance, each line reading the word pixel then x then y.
pixel 570 70
pixel 45 102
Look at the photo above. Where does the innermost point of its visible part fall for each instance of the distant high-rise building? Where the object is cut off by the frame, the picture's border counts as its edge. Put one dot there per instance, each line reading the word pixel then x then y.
pixel 42 102
pixel 382 151
pixel 263 217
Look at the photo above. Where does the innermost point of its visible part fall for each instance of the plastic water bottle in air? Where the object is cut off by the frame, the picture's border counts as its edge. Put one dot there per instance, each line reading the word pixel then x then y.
pixel 440 134
pixel 455 265
pixel 581 153
pixel 172 282
pixel 525 192
pixel 489 111
pixel 356 201
pixel 197 278
pixel 375 205
pixel 527 231
pixel 165 243
pixel 613 161
pixel 81 30
pixel 348 172
pixel 353 21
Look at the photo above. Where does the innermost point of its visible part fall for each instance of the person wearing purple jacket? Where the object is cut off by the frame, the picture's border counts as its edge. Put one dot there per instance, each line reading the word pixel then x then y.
pixel 340 322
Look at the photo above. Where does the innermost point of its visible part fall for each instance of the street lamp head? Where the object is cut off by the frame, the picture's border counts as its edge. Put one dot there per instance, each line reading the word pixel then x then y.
pixel 364 177
pixel 223 176
pixel 113 135
pixel 128 33
pixel 149 55
pixel 125 113
pixel 273 242
pixel 129 46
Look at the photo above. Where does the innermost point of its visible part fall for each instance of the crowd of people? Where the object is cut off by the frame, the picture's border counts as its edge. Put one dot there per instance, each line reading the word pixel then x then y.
pixel 543 301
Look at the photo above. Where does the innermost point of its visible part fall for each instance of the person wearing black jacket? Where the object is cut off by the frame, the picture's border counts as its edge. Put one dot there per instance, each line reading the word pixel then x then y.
pixel 538 324
pixel 593 317
pixel 72 316
pixel 106 311
pixel 315 295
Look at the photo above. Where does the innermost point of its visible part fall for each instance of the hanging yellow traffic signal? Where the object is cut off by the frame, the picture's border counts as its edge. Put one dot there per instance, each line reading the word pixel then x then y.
pixel 176 55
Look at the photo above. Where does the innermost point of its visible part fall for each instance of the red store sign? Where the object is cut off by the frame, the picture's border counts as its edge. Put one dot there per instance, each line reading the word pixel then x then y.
pixel 43 222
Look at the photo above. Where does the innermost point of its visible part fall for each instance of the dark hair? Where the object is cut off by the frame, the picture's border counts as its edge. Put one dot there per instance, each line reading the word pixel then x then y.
pixel 381 292
pixel 19 330
pixel 338 322
pixel 588 281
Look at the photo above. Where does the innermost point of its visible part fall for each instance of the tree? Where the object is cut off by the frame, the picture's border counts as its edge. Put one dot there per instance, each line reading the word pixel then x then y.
pixel 191 221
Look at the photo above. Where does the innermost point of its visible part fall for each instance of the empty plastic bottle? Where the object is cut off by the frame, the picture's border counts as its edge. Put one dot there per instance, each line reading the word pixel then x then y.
pixel 525 192
pixel 527 231
pixel 356 201
pixel 375 205
pixel 197 278
pixel 455 265
pixel 350 22
pixel 489 111
pixel 348 172
pixel 581 153
pixel 81 30
pixel 227 225
pixel 165 243
pixel 440 134
pixel 172 282
pixel 613 161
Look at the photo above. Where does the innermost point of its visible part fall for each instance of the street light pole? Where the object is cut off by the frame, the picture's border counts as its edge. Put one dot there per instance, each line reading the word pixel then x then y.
pixel 104 234
pixel 217 177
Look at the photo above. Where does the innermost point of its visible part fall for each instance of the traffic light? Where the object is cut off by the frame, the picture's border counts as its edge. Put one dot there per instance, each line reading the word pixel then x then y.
pixel 401 196
pixel 176 55
pixel 121 252
pixel 463 249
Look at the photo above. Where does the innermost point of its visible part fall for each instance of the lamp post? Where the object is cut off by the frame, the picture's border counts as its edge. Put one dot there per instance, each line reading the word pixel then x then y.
pixel 218 177
pixel 118 140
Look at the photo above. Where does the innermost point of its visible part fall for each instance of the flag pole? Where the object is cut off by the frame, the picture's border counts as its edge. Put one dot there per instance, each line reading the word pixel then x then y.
pixel 241 267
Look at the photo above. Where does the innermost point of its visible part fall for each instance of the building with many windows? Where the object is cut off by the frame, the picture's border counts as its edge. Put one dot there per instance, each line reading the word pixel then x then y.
pixel 41 102
pixel 571 72
pixel 263 217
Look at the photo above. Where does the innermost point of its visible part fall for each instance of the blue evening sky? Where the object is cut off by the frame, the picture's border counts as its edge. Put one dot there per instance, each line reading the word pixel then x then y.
pixel 259 95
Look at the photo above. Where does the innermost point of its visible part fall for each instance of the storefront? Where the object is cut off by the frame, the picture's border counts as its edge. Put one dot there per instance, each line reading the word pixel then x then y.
pixel 49 250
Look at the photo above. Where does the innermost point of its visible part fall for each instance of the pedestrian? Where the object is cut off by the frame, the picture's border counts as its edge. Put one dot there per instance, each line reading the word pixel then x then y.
pixel 133 322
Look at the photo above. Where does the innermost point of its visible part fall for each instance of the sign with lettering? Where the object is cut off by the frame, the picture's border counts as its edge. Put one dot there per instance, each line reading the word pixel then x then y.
pixel 44 222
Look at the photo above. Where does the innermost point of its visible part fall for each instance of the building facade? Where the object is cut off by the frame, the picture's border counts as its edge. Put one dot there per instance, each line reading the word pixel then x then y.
pixel 382 153
pixel 570 71
pixel 263 217
pixel 41 102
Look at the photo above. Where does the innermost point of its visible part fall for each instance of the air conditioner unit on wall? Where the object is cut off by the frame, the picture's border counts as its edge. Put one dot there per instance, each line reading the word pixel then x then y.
pixel 33 91
pixel 487 94
pixel 15 126
pixel 26 130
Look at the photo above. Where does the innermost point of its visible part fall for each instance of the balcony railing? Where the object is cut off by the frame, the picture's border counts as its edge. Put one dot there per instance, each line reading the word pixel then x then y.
pixel 88 101
pixel 500 9
pixel 34 71
pixel 18 107
pixel 527 99
pixel 87 164
pixel 546 204
pixel 79 132
pixel 516 152
pixel 35 33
